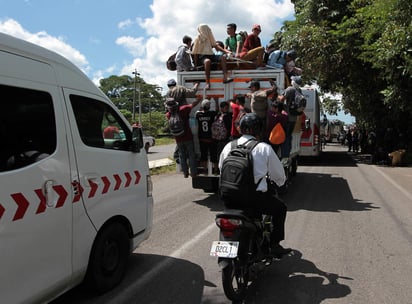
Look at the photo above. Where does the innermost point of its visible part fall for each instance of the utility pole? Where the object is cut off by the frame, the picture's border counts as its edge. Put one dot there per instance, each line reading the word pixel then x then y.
pixel 134 96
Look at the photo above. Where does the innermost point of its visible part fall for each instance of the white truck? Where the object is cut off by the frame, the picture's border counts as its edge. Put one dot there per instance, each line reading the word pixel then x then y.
pixel 74 200
pixel 310 144
pixel 239 85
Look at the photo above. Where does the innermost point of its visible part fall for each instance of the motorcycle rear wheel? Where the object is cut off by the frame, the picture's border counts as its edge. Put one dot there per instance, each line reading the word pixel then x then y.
pixel 235 280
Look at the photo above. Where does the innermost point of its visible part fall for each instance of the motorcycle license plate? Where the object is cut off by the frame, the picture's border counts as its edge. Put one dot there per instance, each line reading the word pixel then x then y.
pixel 224 249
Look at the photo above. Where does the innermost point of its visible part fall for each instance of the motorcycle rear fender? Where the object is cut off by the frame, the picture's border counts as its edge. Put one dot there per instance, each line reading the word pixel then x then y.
pixel 223 262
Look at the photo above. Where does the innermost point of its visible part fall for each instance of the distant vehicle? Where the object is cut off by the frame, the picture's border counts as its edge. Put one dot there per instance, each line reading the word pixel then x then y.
pixel 310 144
pixel 148 141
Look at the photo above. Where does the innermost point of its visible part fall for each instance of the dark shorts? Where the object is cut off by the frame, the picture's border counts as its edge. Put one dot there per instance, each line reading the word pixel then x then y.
pixel 208 147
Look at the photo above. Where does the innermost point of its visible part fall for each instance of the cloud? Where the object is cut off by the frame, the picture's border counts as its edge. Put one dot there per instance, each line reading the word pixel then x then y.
pixel 159 35
pixel 125 24
pixel 57 44
pixel 168 24
pixel 133 45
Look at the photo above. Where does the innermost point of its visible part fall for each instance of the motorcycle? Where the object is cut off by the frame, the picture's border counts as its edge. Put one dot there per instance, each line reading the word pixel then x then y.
pixel 243 249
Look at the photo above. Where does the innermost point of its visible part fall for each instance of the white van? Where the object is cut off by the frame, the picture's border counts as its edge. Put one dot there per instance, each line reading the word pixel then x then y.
pixel 310 144
pixel 74 201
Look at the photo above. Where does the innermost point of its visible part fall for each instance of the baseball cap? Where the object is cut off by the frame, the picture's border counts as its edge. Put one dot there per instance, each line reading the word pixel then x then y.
pixel 205 103
pixel 171 83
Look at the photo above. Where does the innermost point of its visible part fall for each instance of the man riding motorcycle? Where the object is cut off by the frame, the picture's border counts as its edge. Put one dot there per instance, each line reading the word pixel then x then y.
pixel 266 168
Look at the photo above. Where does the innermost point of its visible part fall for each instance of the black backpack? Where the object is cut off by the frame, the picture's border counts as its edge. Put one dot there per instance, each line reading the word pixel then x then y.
pixel 236 184
pixel 176 124
pixel 298 104
pixel 171 63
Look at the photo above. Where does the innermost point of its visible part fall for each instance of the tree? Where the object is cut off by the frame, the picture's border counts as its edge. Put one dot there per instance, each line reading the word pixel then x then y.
pixel 361 49
pixel 120 90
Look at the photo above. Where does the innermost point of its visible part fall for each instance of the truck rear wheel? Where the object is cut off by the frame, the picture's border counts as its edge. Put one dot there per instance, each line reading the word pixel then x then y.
pixel 108 259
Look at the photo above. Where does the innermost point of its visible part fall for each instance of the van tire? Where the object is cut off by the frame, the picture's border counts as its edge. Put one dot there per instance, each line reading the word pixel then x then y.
pixel 108 259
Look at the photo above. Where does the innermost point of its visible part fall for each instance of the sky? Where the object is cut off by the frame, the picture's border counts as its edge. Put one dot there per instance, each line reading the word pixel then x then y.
pixel 115 37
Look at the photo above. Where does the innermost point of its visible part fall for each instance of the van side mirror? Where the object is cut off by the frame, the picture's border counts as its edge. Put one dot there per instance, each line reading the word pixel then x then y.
pixel 307 124
pixel 137 139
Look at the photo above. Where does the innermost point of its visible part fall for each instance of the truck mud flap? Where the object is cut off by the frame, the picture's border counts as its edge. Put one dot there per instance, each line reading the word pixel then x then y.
pixel 207 183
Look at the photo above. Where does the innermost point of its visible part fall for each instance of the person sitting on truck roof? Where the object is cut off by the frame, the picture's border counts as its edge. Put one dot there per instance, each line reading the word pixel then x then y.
pixel 252 47
pixel 203 53
pixel 290 67
pixel 234 42
pixel 183 58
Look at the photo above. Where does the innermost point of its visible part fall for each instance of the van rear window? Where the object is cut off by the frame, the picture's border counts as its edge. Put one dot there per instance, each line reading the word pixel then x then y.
pixel 27 127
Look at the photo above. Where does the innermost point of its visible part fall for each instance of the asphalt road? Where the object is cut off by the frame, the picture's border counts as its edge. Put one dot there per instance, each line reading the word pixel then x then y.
pixel 159 152
pixel 348 222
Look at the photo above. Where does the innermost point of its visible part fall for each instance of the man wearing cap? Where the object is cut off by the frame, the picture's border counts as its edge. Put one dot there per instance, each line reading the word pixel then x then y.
pixel 288 98
pixel 185 141
pixel 180 93
pixel 205 117
pixel 252 47
pixel 259 100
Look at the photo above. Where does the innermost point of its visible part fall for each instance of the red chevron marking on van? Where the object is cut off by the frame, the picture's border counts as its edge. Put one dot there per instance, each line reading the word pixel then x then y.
pixel 118 181
pixel 1 211
pixel 106 182
pixel 93 189
pixel 22 205
pixel 128 179
pixel 42 204
pixel 62 195
pixel 137 173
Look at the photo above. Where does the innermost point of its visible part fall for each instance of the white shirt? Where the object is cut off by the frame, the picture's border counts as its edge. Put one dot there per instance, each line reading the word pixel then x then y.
pixel 265 163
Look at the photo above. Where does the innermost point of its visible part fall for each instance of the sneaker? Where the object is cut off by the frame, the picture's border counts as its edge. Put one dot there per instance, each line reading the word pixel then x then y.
pixel 278 251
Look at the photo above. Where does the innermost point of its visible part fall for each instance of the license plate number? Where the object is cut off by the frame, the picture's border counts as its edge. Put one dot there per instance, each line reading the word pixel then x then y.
pixel 224 249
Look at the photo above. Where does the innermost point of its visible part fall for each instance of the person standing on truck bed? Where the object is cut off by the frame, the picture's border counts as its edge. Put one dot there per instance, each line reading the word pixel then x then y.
pixel 185 141
pixel 180 93
pixel 205 117
pixel 203 53
pixel 238 110
pixel 259 100
pixel 288 98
